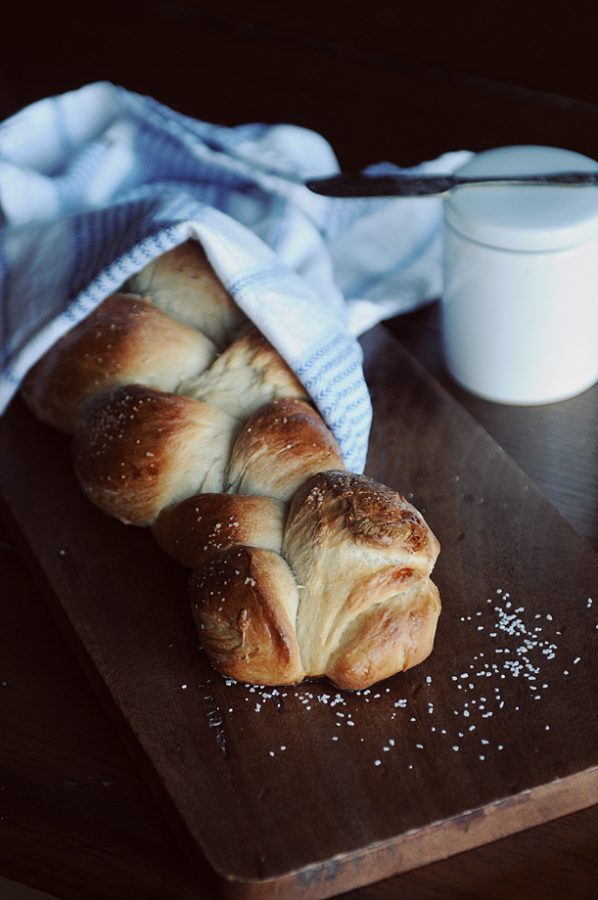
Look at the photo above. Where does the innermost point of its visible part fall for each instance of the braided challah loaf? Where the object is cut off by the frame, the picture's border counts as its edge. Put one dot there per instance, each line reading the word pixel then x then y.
pixel 187 420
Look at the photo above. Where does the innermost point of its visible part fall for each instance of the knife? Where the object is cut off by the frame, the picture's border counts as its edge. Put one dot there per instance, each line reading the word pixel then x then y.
pixel 358 184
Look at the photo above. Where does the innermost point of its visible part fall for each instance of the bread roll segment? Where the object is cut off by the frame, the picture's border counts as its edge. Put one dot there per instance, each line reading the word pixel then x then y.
pixel 388 638
pixel 137 450
pixel 245 605
pixel 196 530
pixel 280 446
pixel 183 284
pixel 187 420
pixel 248 374
pixel 357 548
pixel 115 345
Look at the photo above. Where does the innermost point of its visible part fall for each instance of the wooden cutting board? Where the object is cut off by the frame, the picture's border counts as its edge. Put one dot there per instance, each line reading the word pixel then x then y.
pixel 306 792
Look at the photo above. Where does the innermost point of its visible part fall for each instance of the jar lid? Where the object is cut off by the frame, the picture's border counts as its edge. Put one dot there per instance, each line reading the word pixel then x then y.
pixel 525 218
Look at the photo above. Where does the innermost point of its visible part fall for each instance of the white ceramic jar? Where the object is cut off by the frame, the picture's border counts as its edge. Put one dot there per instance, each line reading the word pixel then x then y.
pixel 520 297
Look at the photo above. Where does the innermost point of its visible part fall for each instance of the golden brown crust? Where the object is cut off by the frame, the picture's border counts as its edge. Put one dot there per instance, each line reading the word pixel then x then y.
pixel 244 603
pixel 115 345
pixel 183 283
pixel 248 375
pixel 280 446
pixel 360 555
pixel 137 451
pixel 371 513
pixel 205 525
pixel 354 545
pixel 337 583
pixel 389 638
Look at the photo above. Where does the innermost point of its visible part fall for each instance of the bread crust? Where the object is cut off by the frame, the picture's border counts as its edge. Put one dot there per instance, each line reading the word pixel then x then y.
pixel 355 546
pixel 300 568
pixel 246 376
pixel 203 526
pixel 184 285
pixel 388 638
pixel 137 450
pixel 115 345
pixel 279 447
pixel 244 603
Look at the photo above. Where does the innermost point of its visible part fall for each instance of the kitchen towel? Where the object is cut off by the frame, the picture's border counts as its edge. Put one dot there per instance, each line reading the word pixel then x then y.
pixel 96 182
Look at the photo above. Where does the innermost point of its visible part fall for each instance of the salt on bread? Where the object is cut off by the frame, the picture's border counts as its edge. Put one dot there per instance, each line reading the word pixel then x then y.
pixel 186 420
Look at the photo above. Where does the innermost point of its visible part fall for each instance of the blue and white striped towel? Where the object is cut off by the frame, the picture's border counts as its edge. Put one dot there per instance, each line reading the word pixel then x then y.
pixel 97 182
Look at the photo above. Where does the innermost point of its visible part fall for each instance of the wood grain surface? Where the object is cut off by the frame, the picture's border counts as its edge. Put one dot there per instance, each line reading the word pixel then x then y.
pixel 472 745
pixel 75 817
pixel 77 820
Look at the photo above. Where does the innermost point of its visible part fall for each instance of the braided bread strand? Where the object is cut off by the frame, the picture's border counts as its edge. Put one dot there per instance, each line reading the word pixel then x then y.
pixel 186 419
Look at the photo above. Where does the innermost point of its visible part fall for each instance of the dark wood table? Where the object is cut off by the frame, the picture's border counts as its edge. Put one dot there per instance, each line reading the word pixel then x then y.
pixel 75 816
